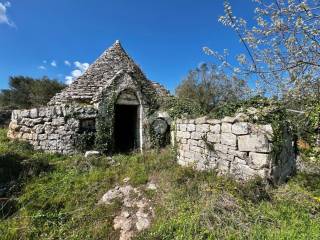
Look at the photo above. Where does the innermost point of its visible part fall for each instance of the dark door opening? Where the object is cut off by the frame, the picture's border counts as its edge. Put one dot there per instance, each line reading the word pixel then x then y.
pixel 125 128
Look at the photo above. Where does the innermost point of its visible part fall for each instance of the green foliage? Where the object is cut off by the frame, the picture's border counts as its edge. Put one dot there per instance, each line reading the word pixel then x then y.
pixel 26 92
pixel 229 109
pixel 204 206
pixel 104 136
pixel 208 87
pixel 85 141
pixel 177 108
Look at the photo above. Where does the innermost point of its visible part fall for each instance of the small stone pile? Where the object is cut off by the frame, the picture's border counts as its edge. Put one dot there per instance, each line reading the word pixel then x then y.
pixel 136 212
pixel 232 146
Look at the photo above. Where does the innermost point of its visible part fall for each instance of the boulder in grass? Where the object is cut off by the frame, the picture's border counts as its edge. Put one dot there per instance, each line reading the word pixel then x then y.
pixel 92 154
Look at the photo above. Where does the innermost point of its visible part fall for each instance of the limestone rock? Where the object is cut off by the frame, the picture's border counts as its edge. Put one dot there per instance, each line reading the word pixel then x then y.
pixel 254 143
pixel 191 127
pixel 202 128
pixel 213 121
pixel 259 160
pixel 240 128
pixel 201 120
pixel 228 120
pixel 213 138
pixel 215 128
pixel 136 211
pixel 92 154
pixel 229 139
pixel 226 127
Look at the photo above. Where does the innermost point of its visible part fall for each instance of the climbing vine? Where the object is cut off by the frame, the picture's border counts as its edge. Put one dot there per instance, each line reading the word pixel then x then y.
pixel 104 124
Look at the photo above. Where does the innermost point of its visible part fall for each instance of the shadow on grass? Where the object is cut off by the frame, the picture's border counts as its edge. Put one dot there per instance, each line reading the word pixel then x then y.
pixel 15 170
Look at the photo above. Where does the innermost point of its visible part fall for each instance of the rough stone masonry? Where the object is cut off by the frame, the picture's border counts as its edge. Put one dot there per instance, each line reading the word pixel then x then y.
pixel 232 146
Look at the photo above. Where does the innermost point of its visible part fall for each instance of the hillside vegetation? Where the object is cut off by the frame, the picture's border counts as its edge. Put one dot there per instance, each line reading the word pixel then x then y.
pixel 55 197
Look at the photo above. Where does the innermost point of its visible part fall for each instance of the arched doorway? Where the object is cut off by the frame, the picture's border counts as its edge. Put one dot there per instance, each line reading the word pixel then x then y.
pixel 127 122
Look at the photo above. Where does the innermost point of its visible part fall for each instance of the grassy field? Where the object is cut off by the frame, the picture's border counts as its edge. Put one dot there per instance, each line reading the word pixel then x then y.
pixel 56 198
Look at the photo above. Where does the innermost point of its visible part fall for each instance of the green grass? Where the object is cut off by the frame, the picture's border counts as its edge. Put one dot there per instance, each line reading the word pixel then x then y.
pixel 61 203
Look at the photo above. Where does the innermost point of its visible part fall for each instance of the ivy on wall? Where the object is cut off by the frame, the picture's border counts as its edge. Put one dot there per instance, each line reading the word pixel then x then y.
pixel 104 125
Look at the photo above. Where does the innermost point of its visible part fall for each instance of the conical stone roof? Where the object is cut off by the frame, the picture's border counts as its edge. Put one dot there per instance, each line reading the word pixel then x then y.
pixel 98 76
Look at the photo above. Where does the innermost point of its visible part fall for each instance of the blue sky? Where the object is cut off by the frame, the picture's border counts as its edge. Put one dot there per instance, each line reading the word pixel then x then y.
pixel 165 37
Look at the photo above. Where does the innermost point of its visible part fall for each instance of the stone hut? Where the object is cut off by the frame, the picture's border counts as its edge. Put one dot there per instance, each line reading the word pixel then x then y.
pixel 113 99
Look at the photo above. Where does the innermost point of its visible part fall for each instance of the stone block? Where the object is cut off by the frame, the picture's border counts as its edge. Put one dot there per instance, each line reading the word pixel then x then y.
pixel 213 138
pixel 39 129
pixel 25 113
pixel 225 156
pixel 223 166
pixel 188 155
pixel 58 121
pixel 25 129
pixel 196 149
pixel 14 126
pixel 229 139
pixel 228 120
pixel 196 135
pixel 182 127
pixel 259 160
pixel 34 113
pixel 240 128
pixel 193 142
pixel 221 148
pixel 42 112
pixel 215 128
pixel 191 127
pixel 27 136
pixel 244 172
pixel 238 160
pixel 253 143
pixel 201 144
pixel 184 141
pixel 48 128
pixel 198 157
pixel 241 117
pixel 226 127
pixel 213 121
pixel 92 154
pixel 242 155
pixel 53 136
pixel 201 120
pixel 262 130
pixel 42 137
pixel 203 128
pixel 183 134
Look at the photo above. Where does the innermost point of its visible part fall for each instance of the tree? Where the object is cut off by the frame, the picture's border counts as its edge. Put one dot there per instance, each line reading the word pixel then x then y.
pixel 26 92
pixel 282 49
pixel 208 87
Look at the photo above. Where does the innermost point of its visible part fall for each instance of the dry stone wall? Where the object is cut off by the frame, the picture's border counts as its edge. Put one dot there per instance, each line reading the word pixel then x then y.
pixel 233 146
pixel 52 129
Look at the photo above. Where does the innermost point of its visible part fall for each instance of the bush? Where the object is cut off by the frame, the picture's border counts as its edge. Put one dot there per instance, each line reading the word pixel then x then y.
pixel 177 108
pixel 85 141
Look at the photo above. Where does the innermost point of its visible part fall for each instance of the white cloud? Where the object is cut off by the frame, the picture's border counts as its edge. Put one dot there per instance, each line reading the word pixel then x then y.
pixel 42 67
pixel 3 14
pixel 67 63
pixel 53 63
pixel 80 68
pixel 68 80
